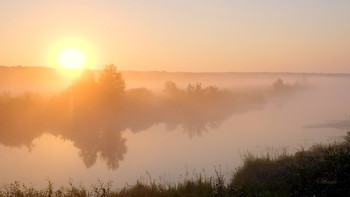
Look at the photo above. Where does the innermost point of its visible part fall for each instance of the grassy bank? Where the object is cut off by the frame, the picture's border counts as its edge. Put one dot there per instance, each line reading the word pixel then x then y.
pixel 195 187
pixel 322 170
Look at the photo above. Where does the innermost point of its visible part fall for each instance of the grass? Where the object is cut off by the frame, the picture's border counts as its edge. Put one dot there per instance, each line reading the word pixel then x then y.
pixel 322 170
pixel 199 186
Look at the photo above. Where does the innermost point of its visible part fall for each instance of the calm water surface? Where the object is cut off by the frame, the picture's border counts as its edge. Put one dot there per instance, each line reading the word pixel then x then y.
pixel 172 151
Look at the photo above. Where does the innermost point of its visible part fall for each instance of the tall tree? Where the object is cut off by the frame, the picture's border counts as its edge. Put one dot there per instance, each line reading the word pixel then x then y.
pixel 111 80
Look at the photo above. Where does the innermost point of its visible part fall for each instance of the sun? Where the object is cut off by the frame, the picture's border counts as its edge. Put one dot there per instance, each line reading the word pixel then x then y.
pixel 71 55
pixel 72 58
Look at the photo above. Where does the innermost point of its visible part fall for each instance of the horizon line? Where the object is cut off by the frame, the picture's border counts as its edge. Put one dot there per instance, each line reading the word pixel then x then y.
pixel 199 72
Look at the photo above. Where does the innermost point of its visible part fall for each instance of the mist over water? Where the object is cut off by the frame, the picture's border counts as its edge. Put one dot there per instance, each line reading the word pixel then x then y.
pixel 99 128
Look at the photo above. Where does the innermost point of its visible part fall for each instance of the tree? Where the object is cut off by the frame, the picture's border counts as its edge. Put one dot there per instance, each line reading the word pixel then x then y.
pixel 111 80
pixel 195 89
pixel 278 84
pixel 171 88
pixel 86 80
pixel 84 89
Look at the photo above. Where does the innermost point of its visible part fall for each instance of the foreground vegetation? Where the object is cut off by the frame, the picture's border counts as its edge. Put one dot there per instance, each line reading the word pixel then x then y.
pixel 195 187
pixel 323 170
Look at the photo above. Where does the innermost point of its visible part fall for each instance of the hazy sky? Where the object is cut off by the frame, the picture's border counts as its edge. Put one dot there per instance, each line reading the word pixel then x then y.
pixel 183 35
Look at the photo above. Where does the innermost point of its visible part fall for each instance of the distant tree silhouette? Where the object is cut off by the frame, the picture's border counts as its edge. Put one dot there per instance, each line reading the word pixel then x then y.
pixel 171 88
pixel 195 89
pixel 111 80
pixel 278 84
pixel 84 93
pixel 86 81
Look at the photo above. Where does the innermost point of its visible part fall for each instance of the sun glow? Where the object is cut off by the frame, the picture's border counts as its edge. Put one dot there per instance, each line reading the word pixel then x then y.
pixel 71 56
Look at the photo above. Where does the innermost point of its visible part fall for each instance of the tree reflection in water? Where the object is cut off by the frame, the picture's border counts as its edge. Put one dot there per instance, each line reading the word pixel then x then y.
pixel 93 114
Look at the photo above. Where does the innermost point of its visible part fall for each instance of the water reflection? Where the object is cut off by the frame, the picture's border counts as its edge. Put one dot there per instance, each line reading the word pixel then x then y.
pixel 94 113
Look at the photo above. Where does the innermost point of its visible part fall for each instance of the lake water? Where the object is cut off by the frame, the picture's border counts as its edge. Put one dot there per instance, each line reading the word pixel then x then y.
pixel 169 152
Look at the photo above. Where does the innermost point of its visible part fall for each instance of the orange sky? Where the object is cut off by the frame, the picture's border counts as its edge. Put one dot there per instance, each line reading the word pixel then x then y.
pixel 192 35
